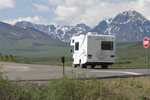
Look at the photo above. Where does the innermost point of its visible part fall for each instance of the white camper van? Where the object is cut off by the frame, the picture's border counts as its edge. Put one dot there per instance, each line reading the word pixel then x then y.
pixel 93 49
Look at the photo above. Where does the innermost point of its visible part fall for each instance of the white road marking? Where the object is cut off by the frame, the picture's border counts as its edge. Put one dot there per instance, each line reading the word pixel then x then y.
pixel 133 73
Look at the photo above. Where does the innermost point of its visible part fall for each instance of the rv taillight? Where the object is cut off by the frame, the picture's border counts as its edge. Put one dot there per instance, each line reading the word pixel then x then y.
pixel 89 56
pixel 112 56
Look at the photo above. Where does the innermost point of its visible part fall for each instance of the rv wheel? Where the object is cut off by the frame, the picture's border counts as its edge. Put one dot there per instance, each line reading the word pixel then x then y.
pixel 104 66
pixel 83 65
pixel 74 65
pixel 92 66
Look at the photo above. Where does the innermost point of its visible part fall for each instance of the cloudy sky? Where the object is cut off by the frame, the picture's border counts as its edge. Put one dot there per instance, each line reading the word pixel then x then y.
pixel 68 12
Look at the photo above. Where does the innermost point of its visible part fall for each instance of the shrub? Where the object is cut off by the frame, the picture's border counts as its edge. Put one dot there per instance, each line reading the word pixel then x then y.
pixel 75 87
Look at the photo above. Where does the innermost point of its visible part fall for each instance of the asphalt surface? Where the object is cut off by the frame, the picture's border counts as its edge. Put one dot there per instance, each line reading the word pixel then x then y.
pixel 45 72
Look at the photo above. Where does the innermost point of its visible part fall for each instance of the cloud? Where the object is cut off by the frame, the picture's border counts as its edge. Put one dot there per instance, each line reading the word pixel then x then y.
pixel 36 20
pixel 67 11
pixel 7 4
pixel 148 17
pixel 91 12
pixel 57 2
pixel 143 7
pixel 42 8
pixel 72 12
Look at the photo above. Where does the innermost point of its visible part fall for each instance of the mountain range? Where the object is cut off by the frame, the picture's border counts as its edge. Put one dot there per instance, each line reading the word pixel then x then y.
pixel 127 26
pixel 29 39
pixel 12 32
pixel 59 33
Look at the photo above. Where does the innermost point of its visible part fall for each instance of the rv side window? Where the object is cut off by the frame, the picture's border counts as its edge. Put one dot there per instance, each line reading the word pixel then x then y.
pixel 77 46
pixel 73 41
pixel 107 45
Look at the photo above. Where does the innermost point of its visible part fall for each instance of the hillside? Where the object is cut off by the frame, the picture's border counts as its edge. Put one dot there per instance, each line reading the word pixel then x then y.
pixel 27 41
pixel 132 53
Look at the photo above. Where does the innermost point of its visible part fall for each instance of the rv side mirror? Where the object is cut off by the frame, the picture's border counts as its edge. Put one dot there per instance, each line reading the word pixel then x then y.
pixel 71 50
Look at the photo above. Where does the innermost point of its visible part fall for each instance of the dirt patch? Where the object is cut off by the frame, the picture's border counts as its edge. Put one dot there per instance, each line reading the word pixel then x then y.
pixel 9 69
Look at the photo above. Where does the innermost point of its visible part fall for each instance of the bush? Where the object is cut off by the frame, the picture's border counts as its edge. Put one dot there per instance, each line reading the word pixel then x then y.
pixel 75 87
pixel 7 58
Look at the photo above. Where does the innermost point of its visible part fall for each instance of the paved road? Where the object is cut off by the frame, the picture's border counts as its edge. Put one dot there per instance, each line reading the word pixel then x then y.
pixel 45 72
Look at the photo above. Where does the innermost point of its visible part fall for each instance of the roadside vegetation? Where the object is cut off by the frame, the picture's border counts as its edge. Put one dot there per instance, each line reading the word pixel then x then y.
pixel 8 58
pixel 56 61
pixel 76 87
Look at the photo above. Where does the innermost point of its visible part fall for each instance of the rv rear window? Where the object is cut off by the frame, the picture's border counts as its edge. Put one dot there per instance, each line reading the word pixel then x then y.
pixel 107 45
pixel 77 46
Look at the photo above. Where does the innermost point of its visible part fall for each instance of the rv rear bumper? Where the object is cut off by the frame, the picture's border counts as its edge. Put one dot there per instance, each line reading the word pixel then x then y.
pixel 100 63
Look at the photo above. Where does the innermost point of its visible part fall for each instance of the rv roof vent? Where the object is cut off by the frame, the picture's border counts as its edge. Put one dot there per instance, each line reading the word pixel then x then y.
pixel 92 33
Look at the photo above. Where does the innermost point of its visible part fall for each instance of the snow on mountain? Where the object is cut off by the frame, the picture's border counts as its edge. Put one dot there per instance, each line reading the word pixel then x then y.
pixel 127 26
pixel 14 33
pixel 60 33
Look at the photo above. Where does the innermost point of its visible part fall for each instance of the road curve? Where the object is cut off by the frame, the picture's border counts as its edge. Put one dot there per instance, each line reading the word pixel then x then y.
pixel 48 72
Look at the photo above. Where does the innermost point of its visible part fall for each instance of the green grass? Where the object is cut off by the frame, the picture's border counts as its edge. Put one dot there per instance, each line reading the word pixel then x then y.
pixel 132 55
pixel 34 48
pixel 76 87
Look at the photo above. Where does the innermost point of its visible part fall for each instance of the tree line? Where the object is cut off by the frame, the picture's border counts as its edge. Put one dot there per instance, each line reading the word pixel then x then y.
pixel 8 58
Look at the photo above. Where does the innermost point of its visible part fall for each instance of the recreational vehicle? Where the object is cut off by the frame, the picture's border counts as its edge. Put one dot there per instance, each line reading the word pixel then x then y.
pixel 93 49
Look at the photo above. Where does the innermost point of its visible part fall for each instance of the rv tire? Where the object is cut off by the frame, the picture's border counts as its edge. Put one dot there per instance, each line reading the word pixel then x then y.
pixel 83 65
pixel 73 65
pixel 104 66
pixel 92 66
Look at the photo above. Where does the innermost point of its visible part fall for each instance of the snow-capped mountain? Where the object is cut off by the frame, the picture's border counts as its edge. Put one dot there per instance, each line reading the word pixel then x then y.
pixel 127 26
pixel 101 28
pixel 60 33
pixel 12 32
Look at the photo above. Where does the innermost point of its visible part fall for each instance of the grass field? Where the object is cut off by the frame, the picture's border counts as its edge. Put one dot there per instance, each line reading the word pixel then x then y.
pixel 76 87
pixel 129 55
pixel 34 48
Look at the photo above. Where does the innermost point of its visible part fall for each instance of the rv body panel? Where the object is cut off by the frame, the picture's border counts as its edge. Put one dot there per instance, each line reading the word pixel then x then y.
pixel 99 53
pixel 80 51
pixel 93 49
